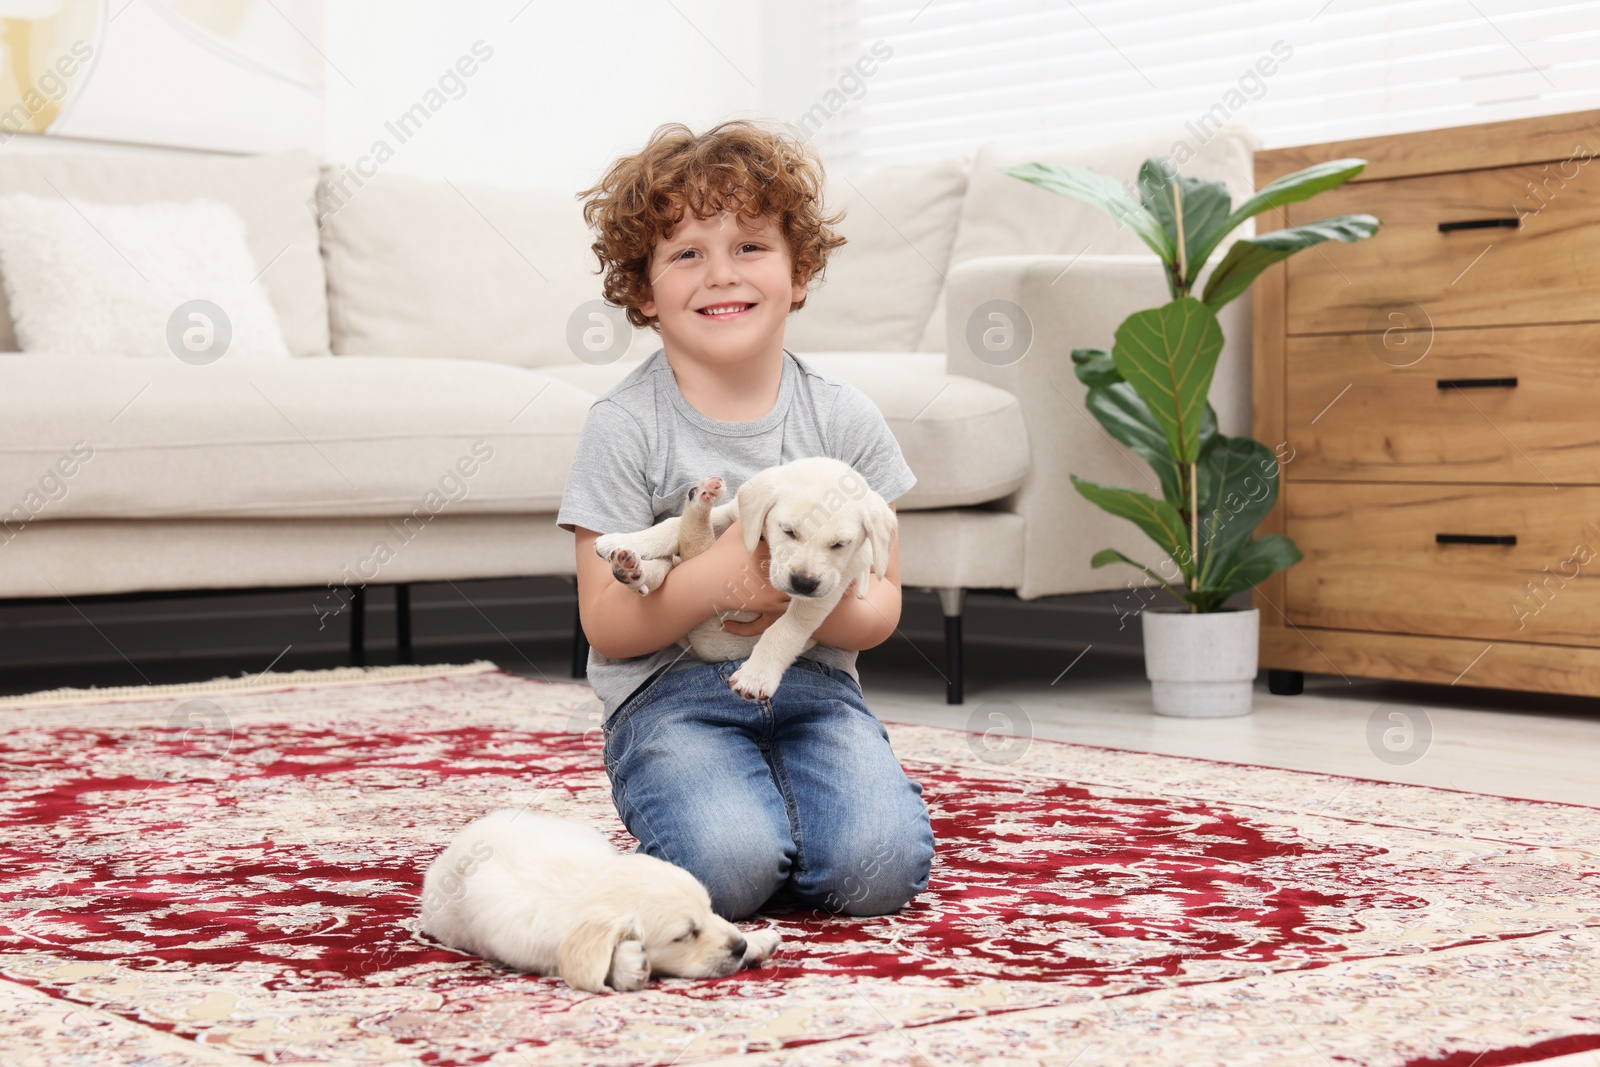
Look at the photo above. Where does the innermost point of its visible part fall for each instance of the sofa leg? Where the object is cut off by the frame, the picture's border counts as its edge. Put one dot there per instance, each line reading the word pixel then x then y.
pixel 402 623
pixel 580 643
pixel 1286 683
pixel 358 626
pixel 952 600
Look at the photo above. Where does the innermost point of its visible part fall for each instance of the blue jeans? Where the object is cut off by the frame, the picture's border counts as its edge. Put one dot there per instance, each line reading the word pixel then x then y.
pixel 800 792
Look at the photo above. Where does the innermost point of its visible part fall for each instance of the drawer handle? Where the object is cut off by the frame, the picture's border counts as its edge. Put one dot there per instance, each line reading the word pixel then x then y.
pixel 1478 383
pixel 1479 224
pixel 1475 539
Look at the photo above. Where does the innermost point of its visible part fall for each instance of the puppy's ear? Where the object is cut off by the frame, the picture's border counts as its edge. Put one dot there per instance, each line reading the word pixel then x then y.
pixel 881 523
pixel 584 955
pixel 756 498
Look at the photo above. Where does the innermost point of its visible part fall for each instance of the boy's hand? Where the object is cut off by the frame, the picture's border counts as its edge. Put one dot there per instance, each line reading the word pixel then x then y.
pixel 747 587
pixel 755 627
pixel 761 560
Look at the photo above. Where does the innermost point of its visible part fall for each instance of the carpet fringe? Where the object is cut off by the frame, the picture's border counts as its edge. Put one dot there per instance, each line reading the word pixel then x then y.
pixel 255 683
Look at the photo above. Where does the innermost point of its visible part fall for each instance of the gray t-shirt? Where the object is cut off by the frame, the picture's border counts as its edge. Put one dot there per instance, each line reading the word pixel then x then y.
pixel 643 447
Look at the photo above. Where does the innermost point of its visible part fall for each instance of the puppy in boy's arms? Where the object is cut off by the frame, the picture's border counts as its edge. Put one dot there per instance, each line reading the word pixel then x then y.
pixel 826 531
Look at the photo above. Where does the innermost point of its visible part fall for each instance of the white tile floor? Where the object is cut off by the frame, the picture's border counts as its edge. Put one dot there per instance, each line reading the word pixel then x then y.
pixel 1488 741
pixel 1528 745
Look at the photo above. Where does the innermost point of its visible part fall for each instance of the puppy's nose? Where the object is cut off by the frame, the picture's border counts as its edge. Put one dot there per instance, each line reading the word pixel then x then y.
pixel 804 584
pixel 738 947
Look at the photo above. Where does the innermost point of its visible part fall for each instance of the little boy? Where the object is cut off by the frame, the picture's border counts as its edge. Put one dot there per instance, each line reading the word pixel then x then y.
pixel 712 240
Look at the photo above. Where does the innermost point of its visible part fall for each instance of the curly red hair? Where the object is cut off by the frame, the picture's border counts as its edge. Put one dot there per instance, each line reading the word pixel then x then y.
pixel 737 166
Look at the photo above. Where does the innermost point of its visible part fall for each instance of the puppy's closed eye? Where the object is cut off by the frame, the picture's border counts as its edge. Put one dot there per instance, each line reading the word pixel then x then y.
pixel 692 933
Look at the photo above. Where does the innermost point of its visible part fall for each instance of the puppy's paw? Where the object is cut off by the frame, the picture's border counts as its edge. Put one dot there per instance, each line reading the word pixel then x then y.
pixel 630 969
pixel 754 681
pixel 625 568
pixel 640 575
pixel 707 492
pixel 759 946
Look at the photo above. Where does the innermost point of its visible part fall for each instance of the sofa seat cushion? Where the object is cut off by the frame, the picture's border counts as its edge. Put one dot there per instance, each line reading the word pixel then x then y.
pixel 599 379
pixel 104 437
pixel 964 439
pixel 592 378
pixel 845 364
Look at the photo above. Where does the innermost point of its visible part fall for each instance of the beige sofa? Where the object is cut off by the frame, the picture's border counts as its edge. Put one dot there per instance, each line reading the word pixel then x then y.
pixel 447 341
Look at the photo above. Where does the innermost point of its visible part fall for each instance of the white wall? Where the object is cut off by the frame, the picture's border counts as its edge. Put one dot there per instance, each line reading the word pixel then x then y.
pixel 566 87
pixel 232 77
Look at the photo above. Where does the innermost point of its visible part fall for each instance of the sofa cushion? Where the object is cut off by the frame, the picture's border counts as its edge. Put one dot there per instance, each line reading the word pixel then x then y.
pixel 97 556
pixel 272 194
pixel 425 268
pixel 964 439
pixel 846 364
pixel 1003 216
pixel 156 280
pixel 879 289
pixel 592 378
pixel 600 379
pixel 101 437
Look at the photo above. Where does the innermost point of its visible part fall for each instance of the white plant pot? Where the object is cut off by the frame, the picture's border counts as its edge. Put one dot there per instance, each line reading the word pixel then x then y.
pixel 1201 664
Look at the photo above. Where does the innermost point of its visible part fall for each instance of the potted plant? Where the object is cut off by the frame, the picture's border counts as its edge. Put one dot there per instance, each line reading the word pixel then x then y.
pixel 1150 393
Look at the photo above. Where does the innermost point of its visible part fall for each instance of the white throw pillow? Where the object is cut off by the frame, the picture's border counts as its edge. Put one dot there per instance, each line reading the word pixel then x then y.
pixel 157 280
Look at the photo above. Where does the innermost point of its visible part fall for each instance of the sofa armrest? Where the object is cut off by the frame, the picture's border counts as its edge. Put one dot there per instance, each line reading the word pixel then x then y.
pixel 1070 302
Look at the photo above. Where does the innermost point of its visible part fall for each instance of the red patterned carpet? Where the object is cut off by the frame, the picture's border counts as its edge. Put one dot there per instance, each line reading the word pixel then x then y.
pixel 229 875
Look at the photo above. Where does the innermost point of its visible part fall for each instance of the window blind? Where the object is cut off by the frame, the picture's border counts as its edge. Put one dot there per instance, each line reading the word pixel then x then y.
pixel 915 79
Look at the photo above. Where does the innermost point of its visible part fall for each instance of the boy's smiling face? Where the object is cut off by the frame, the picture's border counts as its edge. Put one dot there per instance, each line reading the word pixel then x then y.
pixel 721 287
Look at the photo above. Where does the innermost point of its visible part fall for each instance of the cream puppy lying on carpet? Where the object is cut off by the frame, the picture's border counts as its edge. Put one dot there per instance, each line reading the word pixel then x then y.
pixel 550 896
pixel 824 528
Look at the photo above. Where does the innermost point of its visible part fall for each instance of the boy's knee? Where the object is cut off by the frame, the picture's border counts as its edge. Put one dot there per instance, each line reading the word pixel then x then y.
pixel 740 871
pixel 738 888
pixel 881 878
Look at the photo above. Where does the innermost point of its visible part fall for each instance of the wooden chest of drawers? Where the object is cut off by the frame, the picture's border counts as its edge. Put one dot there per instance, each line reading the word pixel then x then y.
pixel 1435 394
